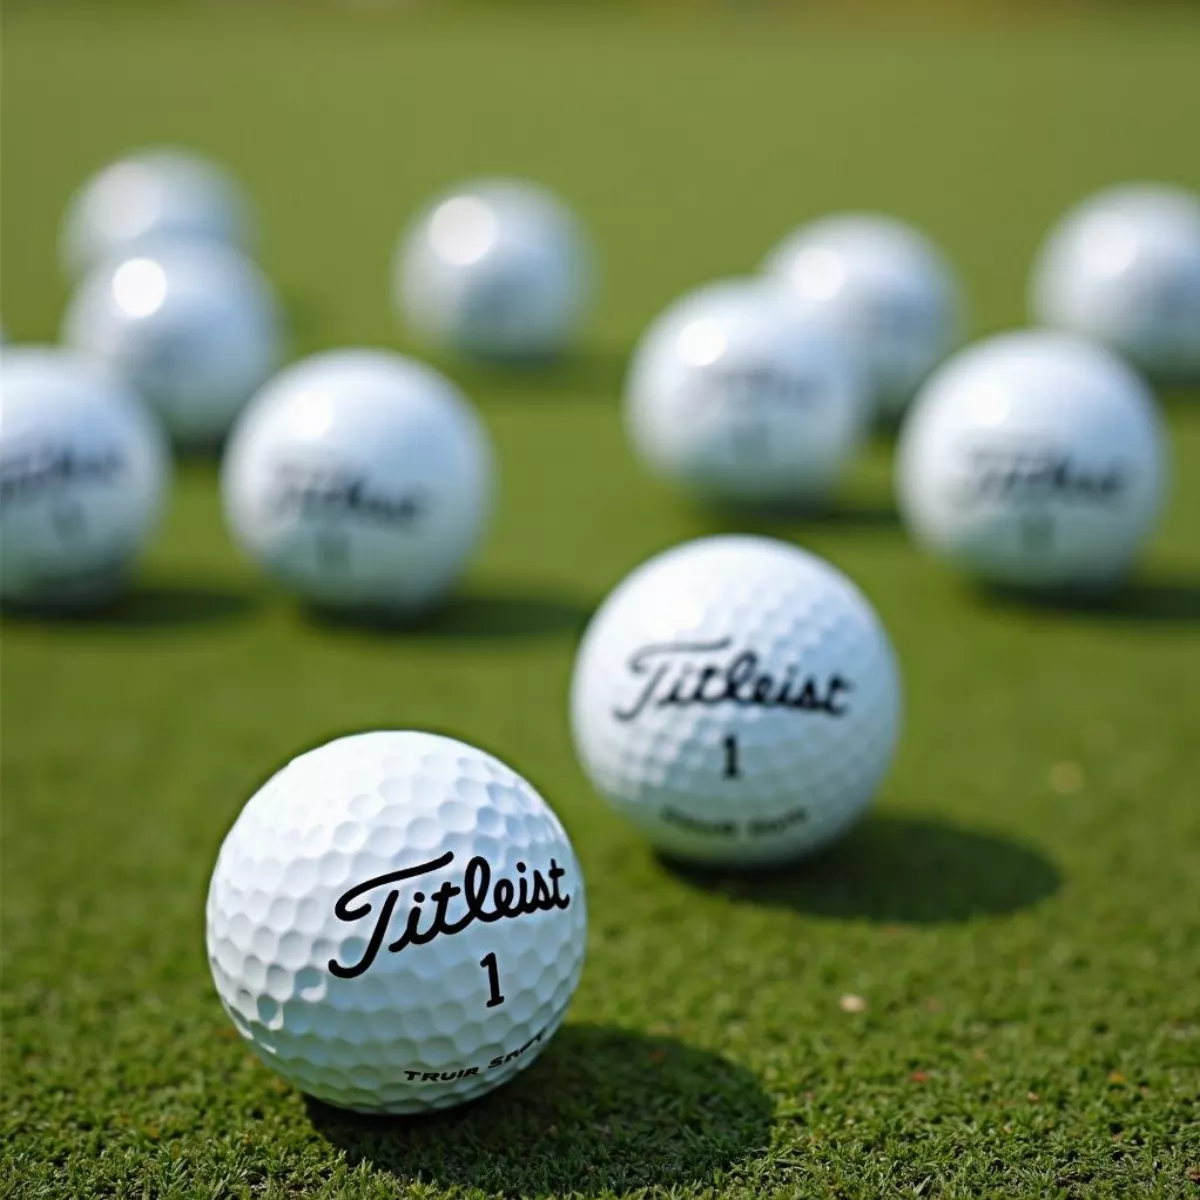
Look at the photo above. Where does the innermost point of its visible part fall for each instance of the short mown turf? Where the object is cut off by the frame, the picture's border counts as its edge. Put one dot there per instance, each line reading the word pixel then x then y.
pixel 991 988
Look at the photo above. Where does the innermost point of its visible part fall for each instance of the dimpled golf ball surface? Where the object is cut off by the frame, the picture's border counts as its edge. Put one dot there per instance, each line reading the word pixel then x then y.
pixel 360 480
pixel 83 469
pixel 497 269
pixel 732 397
pixel 195 329
pixel 1124 269
pixel 885 288
pixel 154 195
pixel 317 892
pixel 1033 459
pixel 738 700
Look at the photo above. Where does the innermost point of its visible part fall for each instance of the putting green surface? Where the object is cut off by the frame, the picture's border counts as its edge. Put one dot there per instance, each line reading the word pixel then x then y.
pixel 990 988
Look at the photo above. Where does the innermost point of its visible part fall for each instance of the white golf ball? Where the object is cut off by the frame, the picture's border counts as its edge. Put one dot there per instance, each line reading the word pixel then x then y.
pixel 1124 269
pixel 154 195
pixel 738 700
pixel 396 922
pixel 733 397
pixel 195 329
pixel 496 269
pixel 360 480
pixel 1035 459
pixel 885 288
pixel 82 475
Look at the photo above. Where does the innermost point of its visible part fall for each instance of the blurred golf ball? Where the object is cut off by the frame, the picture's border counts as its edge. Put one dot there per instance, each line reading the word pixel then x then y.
pixel 1035 459
pixel 360 480
pixel 83 470
pixel 733 397
pixel 885 288
pixel 737 699
pixel 396 922
pixel 496 269
pixel 1124 269
pixel 194 328
pixel 152 196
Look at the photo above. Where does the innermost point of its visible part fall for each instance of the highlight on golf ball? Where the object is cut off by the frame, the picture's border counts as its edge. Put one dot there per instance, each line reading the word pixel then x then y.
pixel 360 480
pixel 154 195
pixel 497 269
pixel 396 922
pixel 195 328
pixel 1123 268
pixel 733 397
pixel 885 288
pixel 83 470
pixel 1034 459
pixel 738 700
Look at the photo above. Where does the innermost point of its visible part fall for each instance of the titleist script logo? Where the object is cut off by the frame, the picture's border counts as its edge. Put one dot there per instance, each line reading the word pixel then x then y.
pixel 497 300
pixel 1028 474
pixel 320 490
pixel 713 673
pixel 28 473
pixel 897 318
pixel 763 386
pixel 483 899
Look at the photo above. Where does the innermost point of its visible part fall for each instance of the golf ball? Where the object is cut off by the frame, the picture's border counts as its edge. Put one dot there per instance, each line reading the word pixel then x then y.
pixel 737 699
pixel 733 397
pixel 360 480
pixel 495 269
pixel 1033 458
pixel 195 329
pixel 82 475
pixel 1124 269
pixel 396 922
pixel 156 194
pixel 885 288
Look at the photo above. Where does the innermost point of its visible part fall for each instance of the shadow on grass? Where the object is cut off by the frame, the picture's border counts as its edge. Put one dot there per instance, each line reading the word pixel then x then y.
pixel 1160 599
pixel 586 374
pixel 305 317
pixel 603 1110
pixel 145 606
pixel 897 869
pixel 495 614
pixel 846 514
pixel 1180 396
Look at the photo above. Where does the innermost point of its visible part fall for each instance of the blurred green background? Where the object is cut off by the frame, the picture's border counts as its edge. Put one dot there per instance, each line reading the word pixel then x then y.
pixel 989 989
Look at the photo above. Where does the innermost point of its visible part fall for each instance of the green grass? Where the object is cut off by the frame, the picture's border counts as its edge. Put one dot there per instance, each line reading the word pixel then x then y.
pixel 1025 936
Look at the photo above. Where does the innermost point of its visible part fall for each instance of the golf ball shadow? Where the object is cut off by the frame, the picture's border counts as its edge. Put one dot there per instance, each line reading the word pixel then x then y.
pixel 589 373
pixel 151 605
pixel 890 869
pixel 477 614
pixel 1183 396
pixel 848 513
pixel 654 1111
pixel 1151 600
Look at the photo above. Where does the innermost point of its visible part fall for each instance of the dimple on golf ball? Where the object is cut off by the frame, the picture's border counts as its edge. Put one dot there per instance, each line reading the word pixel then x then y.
pixel 396 922
pixel 496 268
pixel 732 397
pixel 885 288
pixel 1123 269
pixel 194 328
pixel 360 480
pixel 83 470
pixel 154 195
pixel 738 700
pixel 1036 459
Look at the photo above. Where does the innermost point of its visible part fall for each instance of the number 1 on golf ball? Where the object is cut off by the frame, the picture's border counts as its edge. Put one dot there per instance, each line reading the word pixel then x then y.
pixel 738 700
